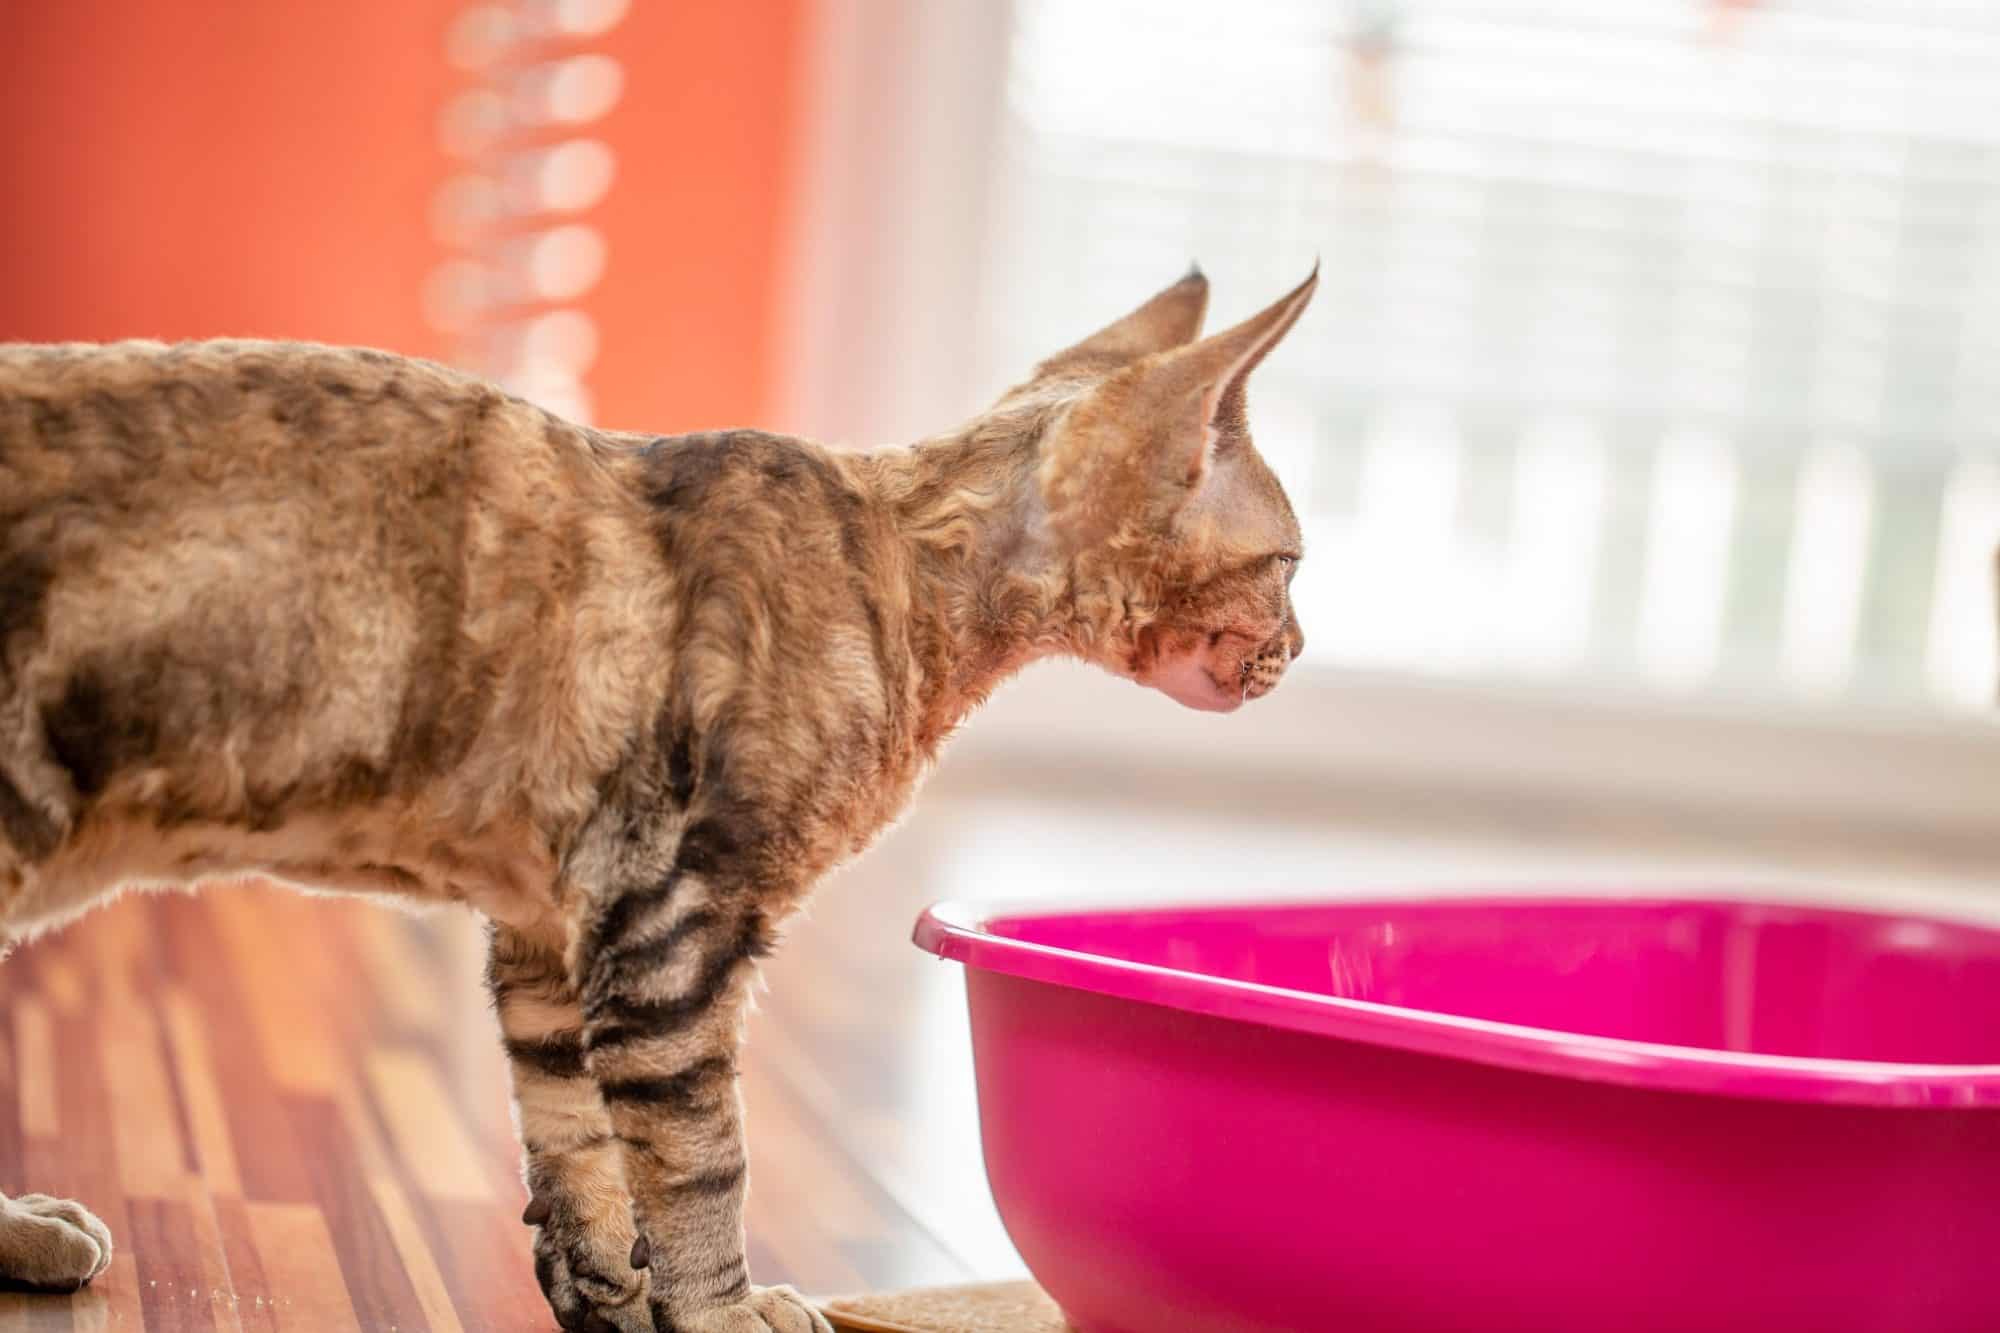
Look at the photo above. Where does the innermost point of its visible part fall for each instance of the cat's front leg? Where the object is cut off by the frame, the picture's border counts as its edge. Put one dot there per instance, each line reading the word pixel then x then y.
pixel 574 1166
pixel 666 975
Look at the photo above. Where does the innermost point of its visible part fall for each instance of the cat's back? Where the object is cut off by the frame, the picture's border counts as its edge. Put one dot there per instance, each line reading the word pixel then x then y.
pixel 99 411
pixel 176 499
pixel 283 570
pixel 288 450
pixel 67 369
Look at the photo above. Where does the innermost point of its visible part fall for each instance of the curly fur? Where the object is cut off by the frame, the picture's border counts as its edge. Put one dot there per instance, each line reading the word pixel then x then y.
pixel 356 622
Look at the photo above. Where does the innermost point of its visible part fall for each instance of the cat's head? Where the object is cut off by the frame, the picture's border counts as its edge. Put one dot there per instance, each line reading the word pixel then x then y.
pixel 1180 541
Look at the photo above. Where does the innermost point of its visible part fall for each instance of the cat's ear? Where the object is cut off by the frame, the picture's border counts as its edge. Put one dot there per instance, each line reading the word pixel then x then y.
pixel 1142 443
pixel 1220 368
pixel 1169 320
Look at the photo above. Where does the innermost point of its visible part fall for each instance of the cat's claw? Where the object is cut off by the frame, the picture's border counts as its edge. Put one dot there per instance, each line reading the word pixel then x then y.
pixel 764 1310
pixel 589 1284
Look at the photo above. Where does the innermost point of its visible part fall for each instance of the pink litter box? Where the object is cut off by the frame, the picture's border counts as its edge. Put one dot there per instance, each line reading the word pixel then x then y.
pixel 1492 1114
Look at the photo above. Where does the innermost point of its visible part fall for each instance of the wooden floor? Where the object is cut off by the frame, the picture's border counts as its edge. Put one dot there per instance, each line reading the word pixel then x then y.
pixel 292 1113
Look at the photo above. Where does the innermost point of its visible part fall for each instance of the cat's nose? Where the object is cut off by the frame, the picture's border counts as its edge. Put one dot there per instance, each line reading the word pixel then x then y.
pixel 1295 639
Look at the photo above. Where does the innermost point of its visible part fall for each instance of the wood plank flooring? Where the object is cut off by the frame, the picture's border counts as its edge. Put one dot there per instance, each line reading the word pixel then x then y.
pixel 292 1111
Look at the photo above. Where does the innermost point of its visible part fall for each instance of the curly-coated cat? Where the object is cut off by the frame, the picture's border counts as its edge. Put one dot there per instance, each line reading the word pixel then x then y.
pixel 351 621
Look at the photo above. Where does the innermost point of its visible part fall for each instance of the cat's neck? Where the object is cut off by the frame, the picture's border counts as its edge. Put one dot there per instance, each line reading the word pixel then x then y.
pixel 987 591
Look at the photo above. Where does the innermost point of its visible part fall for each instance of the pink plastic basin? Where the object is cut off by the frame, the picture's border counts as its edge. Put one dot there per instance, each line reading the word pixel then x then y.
pixel 1487 1114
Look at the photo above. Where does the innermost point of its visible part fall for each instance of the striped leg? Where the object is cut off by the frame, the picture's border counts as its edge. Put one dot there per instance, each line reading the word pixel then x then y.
pixel 578 1202
pixel 666 987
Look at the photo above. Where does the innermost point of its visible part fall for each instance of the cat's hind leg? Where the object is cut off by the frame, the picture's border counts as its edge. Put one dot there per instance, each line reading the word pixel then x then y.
pixel 51 1243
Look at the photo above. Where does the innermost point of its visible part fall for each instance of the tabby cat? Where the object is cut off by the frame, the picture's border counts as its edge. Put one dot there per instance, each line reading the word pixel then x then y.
pixel 357 622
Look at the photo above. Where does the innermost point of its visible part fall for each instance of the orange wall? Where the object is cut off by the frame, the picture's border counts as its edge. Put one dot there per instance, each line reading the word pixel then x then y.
pixel 176 169
pixel 698 216
pixel 188 168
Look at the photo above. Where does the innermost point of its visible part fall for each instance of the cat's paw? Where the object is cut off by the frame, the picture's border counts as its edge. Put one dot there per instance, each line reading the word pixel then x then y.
pixel 585 1269
pixel 51 1243
pixel 764 1310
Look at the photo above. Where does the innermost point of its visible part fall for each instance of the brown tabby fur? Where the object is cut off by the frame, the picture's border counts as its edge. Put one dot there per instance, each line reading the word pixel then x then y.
pixel 358 622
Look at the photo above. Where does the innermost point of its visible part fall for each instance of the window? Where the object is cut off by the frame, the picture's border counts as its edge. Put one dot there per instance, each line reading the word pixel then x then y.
pixel 514 215
pixel 1658 343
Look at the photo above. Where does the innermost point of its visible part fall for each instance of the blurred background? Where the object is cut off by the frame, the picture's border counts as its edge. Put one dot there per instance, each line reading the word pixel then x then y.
pixel 1648 377
pixel 1645 430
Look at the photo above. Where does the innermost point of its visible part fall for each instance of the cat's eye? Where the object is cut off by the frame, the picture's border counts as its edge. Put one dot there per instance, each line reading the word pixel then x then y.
pixel 1288 565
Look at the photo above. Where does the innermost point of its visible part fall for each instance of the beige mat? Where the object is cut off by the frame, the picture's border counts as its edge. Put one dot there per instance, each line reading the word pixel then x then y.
pixel 987 1307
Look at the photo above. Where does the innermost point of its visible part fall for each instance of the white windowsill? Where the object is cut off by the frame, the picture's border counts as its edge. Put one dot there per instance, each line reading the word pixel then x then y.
pixel 1932 779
